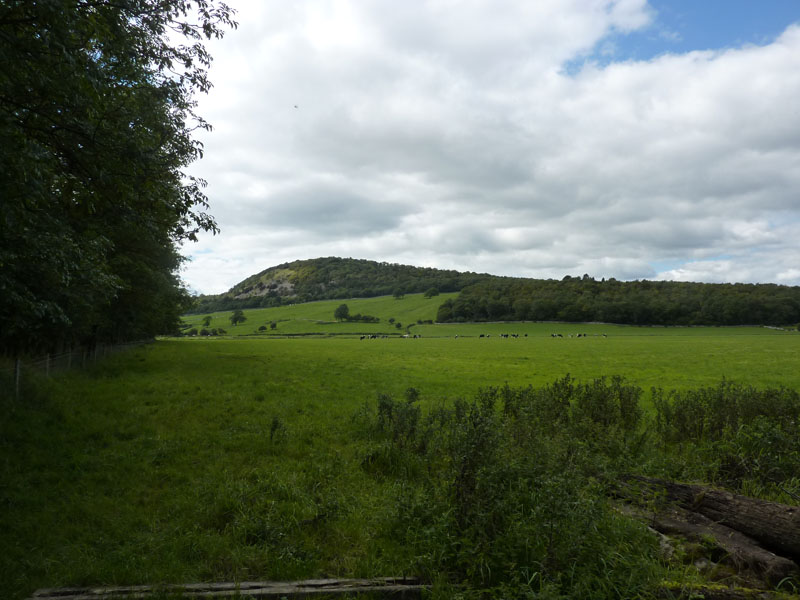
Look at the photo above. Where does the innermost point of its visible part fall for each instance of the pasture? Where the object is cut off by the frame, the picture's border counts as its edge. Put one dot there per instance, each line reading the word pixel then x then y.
pixel 317 317
pixel 226 458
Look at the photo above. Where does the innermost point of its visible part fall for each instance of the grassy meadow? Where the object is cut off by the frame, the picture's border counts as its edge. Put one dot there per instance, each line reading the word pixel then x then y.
pixel 245 457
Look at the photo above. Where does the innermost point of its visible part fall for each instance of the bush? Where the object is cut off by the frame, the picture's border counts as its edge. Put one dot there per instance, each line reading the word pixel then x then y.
pixel 508 498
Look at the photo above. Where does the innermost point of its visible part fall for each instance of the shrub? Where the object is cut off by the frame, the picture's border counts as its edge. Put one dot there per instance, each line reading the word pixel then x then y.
pixel 509 500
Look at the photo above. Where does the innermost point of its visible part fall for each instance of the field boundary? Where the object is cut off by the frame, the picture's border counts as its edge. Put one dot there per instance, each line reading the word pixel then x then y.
pixel 63 361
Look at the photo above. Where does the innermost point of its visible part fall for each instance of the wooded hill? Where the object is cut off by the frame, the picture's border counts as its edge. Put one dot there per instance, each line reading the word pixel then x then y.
pixel 333 278
pixel 583 299
pixel 487 297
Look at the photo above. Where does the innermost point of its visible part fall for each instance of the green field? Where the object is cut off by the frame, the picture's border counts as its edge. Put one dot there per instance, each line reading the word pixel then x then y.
pixel 224 458
pixel 317 317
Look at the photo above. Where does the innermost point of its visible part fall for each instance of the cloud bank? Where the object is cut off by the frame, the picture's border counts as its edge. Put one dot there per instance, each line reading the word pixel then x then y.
pixel 497 137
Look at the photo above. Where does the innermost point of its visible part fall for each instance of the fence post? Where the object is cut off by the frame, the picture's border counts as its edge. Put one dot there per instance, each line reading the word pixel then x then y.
pixel 17 375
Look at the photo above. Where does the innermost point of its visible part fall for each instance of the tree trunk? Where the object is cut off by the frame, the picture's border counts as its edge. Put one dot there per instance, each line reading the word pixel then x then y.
pixel 744 552
pixel 776 526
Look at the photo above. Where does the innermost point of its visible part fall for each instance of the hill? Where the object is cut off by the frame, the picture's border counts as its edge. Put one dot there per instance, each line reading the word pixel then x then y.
pixel 333 278
pixel 484 297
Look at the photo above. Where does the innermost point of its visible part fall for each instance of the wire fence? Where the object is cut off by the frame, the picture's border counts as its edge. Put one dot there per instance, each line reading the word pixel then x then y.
pixel 48 364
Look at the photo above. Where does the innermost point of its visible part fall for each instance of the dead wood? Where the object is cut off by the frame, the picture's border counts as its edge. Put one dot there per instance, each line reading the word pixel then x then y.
pixel 712 592
pixel 775 526
pixel 741 550
pixel 386 587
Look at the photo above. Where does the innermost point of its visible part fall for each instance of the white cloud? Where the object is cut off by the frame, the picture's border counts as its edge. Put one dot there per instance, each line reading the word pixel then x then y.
pixel 449 134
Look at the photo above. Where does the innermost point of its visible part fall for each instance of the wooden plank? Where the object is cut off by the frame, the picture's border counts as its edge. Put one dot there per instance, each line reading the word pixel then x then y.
pixel 389 587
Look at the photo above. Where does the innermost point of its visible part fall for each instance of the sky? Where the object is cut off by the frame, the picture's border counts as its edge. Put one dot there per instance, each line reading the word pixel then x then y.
pixel 634 139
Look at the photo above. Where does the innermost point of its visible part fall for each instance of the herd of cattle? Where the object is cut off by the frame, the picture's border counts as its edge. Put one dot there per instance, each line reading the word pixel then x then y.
pixel 486 335
pixel 576 335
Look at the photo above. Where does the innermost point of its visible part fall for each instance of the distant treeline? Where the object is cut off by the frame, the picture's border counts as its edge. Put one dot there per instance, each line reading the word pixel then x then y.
pixel 584 299
pixel 333 279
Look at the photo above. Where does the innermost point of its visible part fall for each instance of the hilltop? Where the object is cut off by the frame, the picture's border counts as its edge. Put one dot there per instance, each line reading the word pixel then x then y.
pixel 333 278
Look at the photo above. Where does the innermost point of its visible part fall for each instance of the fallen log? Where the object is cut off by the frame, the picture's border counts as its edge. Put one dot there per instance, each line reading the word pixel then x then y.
pixel 385 587
pixel 716 592
pixel 743 551
pixel 775 526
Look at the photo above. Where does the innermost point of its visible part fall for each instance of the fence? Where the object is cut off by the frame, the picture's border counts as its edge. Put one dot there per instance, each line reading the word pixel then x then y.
pixel 70 359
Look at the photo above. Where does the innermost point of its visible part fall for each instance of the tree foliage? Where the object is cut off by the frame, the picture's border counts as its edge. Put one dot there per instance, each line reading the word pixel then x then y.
pixel 581 299
pixel 96 120
pixel 342 312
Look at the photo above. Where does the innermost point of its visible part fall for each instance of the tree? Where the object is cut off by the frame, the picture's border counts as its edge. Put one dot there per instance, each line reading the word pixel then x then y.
pixel 431 293
pixel 273 325
pixel 237 317
pixel 342 313
pixel 398 293
pixel 206 320
pixel 96 121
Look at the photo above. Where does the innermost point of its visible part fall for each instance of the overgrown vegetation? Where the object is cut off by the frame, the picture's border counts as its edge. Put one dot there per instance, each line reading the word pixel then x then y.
pixel 509 493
